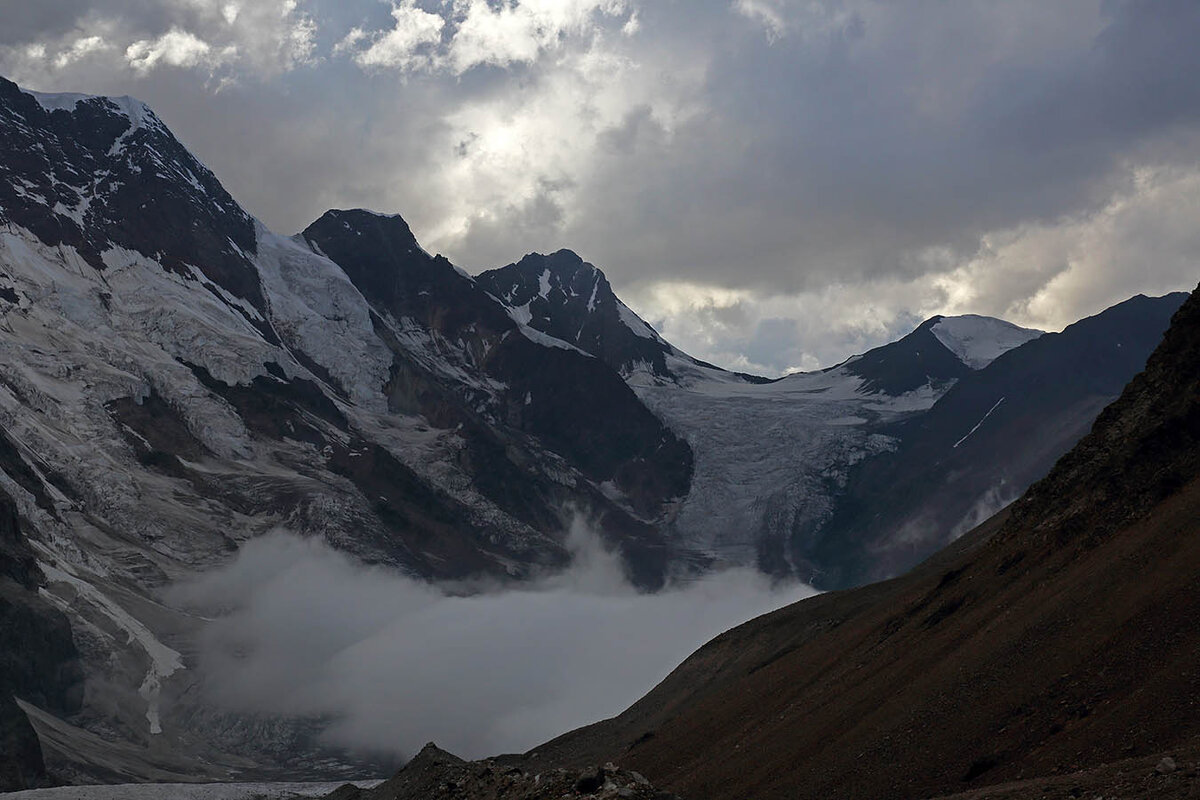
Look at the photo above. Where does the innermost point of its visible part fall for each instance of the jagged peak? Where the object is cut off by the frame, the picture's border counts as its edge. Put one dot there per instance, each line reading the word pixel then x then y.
pixel 564 264
pixel 356 215
pixel 363 220
pixel 538 277
pixel 364 212
pixel 138 114
pixel 97 172
pixel 377 250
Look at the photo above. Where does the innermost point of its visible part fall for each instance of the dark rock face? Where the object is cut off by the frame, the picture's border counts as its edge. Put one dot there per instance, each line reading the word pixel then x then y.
pixel 982 444
pixel 38 662
pixel 111 175
pixel 384 261
pixel 572 403
pixel 435 774
pixel 570 299
pixel 907 364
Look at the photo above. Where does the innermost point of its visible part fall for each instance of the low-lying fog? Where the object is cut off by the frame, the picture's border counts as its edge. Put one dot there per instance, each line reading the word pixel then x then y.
pixel 303 629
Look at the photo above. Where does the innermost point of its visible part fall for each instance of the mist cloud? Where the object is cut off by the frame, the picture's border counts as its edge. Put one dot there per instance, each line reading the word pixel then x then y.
pixel 303 629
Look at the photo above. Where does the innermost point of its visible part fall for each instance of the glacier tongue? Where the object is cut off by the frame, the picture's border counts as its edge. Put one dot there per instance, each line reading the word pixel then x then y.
pixel 771 458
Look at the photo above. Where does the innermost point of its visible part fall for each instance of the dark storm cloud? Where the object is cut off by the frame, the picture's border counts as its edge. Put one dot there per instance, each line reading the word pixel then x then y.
pixel 24 20
pixel 859 163
pixel 906 129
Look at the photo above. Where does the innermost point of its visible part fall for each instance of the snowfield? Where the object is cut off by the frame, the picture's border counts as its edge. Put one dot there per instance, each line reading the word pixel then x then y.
pixel 978 341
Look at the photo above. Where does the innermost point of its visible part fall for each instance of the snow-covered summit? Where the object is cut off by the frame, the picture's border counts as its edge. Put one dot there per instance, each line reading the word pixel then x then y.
pixel 564 296
pixel 979 340
pixel 58 101
pixel 138 113
pixel 100 174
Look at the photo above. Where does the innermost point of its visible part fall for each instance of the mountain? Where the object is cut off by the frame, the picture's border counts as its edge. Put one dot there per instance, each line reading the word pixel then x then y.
pixel 857 472
pixel 562 295
pixel 102 175
pixel 996 431
pixel 176 379
pixel 860 471
pixel 430 314
pixel 1051 652
pixel 772 458
pixel 939 352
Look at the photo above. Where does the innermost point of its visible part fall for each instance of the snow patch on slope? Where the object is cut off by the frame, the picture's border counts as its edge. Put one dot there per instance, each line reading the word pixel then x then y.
pixel 163 661
pixel 318 311
pixel 520 314
pixel 979 424
pixel 546 340
pixel 977 340
pixel 635 323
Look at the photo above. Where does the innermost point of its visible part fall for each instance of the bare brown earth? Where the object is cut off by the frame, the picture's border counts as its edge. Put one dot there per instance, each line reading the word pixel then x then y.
pixel 1052 652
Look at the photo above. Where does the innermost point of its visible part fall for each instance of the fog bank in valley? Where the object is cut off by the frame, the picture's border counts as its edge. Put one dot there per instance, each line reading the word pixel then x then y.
pixel 300 628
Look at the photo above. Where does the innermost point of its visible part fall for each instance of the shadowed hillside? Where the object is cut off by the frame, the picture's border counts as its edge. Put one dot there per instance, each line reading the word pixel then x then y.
pixel 1059 636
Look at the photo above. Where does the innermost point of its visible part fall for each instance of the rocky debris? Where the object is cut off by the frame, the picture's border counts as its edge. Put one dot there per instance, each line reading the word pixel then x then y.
pixel 1166 766
pixel 434 774
pixel 1131 779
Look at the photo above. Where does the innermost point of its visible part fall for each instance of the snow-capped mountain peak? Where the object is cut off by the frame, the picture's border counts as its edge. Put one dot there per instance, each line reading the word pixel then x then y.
pixel 979 340
pixel 104 174
pixel 566 297
pixel 138 113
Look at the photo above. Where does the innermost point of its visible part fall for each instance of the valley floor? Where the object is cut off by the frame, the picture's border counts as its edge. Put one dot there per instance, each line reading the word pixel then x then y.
pixel 185 791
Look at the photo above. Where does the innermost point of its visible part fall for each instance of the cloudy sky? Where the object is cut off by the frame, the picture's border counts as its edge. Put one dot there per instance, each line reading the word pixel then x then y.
pixel 774 184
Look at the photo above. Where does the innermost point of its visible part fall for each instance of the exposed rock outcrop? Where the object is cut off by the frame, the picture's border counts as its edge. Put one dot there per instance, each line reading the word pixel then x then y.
pixel 38 662
pixel 437 775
